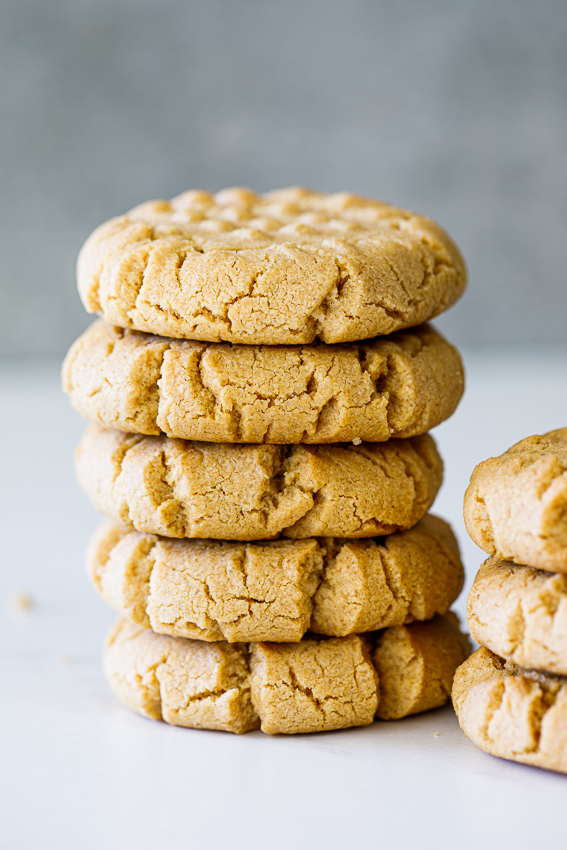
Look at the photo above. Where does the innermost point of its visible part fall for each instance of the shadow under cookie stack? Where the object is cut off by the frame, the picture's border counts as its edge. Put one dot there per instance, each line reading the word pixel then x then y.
pixel 511 695
pixel 261 385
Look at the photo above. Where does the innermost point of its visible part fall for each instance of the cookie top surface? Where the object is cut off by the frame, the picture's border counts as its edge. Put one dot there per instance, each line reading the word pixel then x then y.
pixel 516 504
pixel 276 591
pixel 512 712
pixel 520 613
pixel 285 267
pixel 401 385
pixel 234 491
pixel 312 685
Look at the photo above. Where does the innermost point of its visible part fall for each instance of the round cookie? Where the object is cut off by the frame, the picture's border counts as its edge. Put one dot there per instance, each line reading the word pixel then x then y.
pixel 512 712
pixel 276 591
pixel 400 386
pixel 313 685
pixel 233 491
pixel 282 268
pixel 520 614
pixel 516 504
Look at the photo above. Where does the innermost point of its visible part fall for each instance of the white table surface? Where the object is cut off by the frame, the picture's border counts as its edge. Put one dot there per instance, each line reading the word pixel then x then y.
pixel 78 770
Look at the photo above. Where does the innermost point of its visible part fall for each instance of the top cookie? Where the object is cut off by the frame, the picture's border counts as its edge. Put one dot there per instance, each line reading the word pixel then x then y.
pixel 281 268
pixel 516 504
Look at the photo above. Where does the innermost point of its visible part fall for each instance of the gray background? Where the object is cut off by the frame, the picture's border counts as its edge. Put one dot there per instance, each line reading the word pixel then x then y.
pixel 456 109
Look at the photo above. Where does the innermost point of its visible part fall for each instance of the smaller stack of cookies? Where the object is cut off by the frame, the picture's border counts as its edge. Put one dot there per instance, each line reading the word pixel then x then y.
pixel 260 387
pixel 511 695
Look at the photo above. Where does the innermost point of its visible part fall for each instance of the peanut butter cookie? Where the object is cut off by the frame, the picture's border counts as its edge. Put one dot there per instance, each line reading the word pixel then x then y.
pixel 313 685
pixel 276 591
pixel 521 614
pixel 516 504
pixel 401 386
pixel 281 268
pixel 252 492
pixel 512 712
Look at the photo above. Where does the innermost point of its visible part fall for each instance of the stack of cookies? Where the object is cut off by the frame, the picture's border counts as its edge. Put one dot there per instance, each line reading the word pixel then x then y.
pixel 259 444
pixel 511 695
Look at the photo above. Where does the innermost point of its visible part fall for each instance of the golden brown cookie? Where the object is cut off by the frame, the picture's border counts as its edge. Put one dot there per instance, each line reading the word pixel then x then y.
pixel 521 614
pixel 516 504
pixel 401 386
pixel 280 268
pixel 312 685
pixel 512 712
pixel 424 656
pixel 276 591
pixel 252 492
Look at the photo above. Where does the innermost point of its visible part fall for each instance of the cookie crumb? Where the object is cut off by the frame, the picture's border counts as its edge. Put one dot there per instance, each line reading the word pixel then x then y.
pixel 357 441
pixel 23 602
pixel 437 734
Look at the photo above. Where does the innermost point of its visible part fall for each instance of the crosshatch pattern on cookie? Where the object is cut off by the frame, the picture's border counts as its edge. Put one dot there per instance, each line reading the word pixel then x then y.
pixel 286 267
